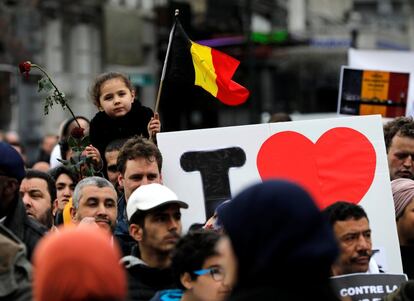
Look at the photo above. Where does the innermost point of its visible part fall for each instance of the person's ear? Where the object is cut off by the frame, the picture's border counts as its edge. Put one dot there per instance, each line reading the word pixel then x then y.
pixel 12 185
pixel 186 280
pixel 133 95
pixel 55 207
pixel 101 109
pixel 73 215
pixel 121 180
pixel 136 232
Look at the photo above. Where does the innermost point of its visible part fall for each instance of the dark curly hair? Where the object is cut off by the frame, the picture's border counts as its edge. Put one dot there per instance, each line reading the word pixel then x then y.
pixel 401 126
pixel 192 251
pixel 138 147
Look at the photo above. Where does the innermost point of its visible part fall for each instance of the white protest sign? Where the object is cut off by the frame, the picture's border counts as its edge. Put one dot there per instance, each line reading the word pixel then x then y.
pixel 386 60
pixel 334 159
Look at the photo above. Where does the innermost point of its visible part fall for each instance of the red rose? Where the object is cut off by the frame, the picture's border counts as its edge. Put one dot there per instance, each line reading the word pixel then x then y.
pixel 24 68
pixel 77 133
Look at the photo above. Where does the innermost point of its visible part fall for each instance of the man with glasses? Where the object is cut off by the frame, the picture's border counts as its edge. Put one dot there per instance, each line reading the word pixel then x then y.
pixel 154 216
pixel 197 269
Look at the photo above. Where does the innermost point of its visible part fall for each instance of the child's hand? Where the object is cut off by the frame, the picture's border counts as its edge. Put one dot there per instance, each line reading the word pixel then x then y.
pixel 93 153
pixel 154 125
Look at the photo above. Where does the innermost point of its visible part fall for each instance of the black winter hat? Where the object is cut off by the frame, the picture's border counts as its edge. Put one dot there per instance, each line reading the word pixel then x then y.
pixel 11 163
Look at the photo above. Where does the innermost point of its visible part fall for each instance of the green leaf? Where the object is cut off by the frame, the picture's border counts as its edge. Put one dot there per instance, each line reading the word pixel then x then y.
pixel 85 141
pixel 72 161
pixel 74 169
pixel 89 172
pixel 44 84
pixel 72 142
pixel 88 160
pixel 48 104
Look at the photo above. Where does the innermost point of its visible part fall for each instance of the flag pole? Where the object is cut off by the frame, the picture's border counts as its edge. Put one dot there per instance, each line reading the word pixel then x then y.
pixel 164 67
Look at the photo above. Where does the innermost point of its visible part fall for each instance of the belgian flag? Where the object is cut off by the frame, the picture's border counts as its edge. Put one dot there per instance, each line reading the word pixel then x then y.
pixel 190 63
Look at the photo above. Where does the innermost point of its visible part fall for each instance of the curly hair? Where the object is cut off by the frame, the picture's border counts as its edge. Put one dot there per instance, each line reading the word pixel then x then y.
pixel 401 126
pixel 138 147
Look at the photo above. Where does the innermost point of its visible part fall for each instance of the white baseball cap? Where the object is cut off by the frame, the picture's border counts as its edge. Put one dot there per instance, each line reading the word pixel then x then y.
pixel 150 196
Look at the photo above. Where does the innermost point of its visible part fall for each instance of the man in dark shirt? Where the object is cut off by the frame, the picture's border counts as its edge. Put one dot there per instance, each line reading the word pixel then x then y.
pixel 351 227
pixel 155 224
pixel 12 210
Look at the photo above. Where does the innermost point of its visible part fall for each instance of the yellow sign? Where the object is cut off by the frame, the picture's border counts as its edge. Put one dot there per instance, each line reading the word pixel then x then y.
pixel 375 85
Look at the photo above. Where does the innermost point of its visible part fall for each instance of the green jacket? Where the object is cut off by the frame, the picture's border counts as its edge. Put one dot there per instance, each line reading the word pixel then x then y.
pixel 15 268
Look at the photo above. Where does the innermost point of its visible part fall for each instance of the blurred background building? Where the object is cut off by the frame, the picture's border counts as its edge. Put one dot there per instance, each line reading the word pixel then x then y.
pixel 291 52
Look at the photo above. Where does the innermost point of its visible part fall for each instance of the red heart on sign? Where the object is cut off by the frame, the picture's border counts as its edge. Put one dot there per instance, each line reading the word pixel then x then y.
pixel 340 166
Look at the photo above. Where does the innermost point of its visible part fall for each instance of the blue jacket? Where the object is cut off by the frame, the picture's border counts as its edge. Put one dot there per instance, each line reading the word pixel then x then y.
pixel 121 233
pixel 168 295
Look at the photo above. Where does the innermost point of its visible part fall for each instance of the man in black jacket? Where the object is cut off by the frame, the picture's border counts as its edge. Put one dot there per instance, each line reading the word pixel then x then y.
pixel 12 211
pixel 155 224
pixel 16 270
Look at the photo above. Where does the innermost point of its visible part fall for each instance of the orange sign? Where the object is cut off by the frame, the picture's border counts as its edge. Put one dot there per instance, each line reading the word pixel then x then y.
pixel 375 85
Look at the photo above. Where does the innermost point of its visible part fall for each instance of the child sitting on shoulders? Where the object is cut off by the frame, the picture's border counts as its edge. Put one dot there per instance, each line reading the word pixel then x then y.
pixel 120 115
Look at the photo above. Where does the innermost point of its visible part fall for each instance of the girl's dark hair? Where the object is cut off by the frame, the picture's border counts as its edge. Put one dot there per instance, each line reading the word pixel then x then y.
pixel 95 91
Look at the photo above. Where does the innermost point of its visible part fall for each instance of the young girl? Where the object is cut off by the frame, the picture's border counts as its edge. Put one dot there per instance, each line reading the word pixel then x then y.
pixel 119 116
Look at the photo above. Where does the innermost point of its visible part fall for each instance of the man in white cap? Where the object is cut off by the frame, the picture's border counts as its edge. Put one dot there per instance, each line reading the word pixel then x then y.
pixel 154 218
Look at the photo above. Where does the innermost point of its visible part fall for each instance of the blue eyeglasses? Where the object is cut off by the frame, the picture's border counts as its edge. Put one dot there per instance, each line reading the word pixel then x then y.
pixel 217 273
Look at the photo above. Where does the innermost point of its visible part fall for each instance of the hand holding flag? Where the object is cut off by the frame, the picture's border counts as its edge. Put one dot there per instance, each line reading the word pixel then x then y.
pixel 194 64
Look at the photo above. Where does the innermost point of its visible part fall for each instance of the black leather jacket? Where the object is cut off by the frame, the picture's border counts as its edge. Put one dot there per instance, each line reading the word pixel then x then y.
pixel 25 228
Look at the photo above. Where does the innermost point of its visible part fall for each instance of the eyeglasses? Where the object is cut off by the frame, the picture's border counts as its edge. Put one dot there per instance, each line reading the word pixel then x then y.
pixel 217 273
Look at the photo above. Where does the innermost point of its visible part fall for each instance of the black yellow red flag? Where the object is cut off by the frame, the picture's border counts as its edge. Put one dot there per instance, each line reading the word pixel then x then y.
pixel 212 70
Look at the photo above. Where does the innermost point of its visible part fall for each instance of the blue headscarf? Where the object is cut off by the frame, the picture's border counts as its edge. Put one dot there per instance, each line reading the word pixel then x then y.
pixel 276 229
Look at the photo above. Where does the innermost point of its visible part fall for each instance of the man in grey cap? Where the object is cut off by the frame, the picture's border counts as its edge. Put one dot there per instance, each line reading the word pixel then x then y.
pixel 154 217
pixel 12 211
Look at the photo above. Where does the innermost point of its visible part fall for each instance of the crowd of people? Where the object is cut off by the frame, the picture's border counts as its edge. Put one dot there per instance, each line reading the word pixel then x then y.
pixel 117 235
